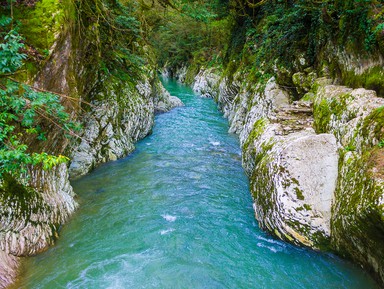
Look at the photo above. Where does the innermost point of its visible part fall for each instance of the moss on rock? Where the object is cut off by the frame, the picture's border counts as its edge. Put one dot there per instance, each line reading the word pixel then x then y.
pixel 357 222
pixel 355 117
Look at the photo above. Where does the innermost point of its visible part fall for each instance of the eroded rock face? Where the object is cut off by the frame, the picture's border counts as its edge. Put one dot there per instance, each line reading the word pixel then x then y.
pixel 260 104
pixel 356 117
pixel 163 101
pixel 113 125
pixel 352 115
pixel 316 169
pixel 122 117
pixel 293 185
pixel 8 269
pixel 293 170
pixel 206 82
pixel 178 73
pixel 31 216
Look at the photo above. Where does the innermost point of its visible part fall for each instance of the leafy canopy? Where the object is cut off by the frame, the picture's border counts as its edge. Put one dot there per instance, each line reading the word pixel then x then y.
pixel 188 31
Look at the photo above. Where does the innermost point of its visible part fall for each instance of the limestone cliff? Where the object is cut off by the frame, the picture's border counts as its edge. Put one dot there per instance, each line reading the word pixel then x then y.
pixel 315 165
pixel 355 118
pixel 31 216
pixel 114 114
pixel 120 116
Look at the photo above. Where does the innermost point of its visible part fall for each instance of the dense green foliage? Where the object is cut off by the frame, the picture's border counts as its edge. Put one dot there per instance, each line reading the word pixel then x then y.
pixel 189 32
pixel 115 36
pixel 285 37
pixel 21 110
pixel 283 29
pixel 111 41
pixel 40 23
pixel 262 35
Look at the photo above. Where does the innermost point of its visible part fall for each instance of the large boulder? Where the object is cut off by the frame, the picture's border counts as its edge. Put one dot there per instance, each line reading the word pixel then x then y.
pixel 293 180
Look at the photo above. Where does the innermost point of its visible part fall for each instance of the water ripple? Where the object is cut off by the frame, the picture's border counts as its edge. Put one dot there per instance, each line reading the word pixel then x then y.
pixel 177 213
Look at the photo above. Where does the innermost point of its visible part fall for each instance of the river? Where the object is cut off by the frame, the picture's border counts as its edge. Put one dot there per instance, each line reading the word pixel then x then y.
pixel 177 213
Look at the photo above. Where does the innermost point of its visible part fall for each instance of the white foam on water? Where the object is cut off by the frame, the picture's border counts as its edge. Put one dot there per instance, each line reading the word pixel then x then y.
pixel 163 232
pixel 215 143
pixel 271 241
pixel 169 218
pixel 270 248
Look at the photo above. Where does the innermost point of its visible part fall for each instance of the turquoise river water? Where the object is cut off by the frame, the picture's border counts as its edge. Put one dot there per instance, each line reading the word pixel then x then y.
pixel 177 213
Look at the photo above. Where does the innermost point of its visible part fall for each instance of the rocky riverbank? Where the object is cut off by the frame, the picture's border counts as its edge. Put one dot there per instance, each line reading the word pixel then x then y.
pixel 315 165
pixel 114 115
pixel 122 117
pixel 33 214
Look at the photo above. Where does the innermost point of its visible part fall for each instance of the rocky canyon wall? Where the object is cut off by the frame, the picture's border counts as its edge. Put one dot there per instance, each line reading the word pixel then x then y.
pixel 315 164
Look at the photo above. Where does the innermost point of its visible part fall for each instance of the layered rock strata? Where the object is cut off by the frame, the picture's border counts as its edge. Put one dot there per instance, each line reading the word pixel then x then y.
pixel 121 117
pixel 315 165
pixel 31 216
